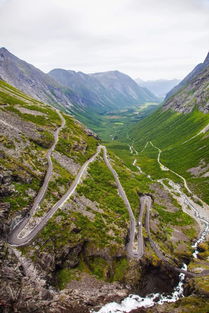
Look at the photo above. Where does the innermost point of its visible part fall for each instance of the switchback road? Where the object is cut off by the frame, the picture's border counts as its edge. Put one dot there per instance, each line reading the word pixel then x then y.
pixel 15 238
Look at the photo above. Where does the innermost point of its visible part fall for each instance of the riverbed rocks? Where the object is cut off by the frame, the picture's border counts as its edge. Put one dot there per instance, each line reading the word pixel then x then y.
pixel 93 292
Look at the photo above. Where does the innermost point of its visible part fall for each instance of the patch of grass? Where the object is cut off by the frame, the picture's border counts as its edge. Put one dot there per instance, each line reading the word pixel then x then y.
pixel 36 119
pixel 99 267
pixel 120 268
pixel 174 218
pixel 75 143
pixel 100 186
pixel 9 144
pixel 192 304
pixel 65 275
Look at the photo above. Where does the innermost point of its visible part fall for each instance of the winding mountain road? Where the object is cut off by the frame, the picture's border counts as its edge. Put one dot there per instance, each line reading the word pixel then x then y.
pixel 140 227
pixel 163 167
pixel 146 203
pixel 132 228
pixel 15 238
pixel 43 189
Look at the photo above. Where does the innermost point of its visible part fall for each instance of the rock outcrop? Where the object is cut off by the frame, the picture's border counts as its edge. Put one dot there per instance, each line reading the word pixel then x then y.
pixel 191 92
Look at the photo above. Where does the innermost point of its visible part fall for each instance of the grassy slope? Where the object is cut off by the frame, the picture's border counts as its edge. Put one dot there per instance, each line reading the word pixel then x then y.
pixel 110 123
pixel 108 229
pixel 169 131
pixel 68 229
pixel 30 162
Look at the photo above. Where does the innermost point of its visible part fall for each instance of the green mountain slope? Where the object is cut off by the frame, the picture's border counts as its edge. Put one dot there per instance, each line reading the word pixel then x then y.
pixel 169 131
pixel 78 94
pixel 86 239
pixel 180 129
pixel 33 82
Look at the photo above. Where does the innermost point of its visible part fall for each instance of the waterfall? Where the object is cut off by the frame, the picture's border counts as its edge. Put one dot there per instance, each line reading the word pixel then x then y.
pixel 133 302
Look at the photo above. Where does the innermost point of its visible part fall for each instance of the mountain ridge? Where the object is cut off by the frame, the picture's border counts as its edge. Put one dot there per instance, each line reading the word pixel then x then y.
pixel 111 89
pixel 192 92
pixel 30 79
pixel 188 78
pixel 76 99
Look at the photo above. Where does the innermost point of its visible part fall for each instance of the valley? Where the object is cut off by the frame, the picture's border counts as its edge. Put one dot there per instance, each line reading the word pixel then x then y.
pixel 107 205
pixel 112 122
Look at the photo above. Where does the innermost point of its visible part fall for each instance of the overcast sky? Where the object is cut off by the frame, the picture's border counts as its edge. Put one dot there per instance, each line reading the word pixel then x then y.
pixel 150 39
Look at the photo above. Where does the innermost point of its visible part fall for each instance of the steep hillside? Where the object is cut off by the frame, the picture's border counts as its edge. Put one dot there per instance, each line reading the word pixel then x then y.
pixel 190 79
pixel 90 90
pixel 32 81
pixel 123 90
pixel 180 129
pixel 175 133
pixel 159 87
pixel 78 93
pixel 69 230
pixel 83 228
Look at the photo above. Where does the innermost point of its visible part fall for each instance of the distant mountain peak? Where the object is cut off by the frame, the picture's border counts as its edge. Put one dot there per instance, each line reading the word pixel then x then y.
pixel 107 90
pixel 206 62
pixel 3 50
pixel 114 73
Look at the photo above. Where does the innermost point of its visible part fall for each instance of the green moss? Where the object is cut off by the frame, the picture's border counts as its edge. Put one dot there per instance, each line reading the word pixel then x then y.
pixel 65 275
pixel 120 268
pixel 99 267
pixel 190 232
pixel 192 304
pixel 9 144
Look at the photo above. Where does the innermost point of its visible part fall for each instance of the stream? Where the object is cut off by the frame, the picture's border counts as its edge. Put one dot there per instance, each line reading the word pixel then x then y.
pixel 134 301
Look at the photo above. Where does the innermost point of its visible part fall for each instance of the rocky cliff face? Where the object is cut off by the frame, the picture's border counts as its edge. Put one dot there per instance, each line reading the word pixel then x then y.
pixel 192 91
pixel 32 81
